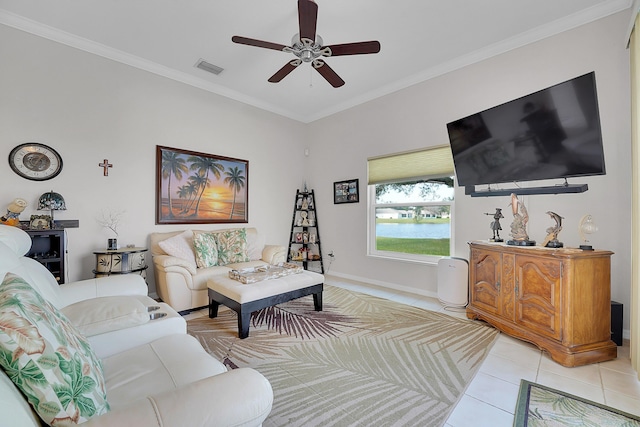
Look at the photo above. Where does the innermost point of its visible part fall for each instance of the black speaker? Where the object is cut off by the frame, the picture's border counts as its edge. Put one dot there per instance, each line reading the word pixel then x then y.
pixel 616 322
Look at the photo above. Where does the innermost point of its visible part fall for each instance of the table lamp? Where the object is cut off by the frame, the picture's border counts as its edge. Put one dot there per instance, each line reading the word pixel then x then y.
pixel 52 201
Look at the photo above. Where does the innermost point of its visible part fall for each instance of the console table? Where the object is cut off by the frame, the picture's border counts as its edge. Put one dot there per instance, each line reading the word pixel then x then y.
pixel 558 299
pixel 120 261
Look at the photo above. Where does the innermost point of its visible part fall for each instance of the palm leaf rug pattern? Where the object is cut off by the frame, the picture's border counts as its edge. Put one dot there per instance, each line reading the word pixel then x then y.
pixel 362 361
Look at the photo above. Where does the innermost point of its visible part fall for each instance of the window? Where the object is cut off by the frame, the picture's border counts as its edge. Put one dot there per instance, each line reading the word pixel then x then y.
pixel 411 199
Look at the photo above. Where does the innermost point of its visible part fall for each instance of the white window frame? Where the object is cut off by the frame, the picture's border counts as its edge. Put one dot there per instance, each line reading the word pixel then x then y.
pixel 402 256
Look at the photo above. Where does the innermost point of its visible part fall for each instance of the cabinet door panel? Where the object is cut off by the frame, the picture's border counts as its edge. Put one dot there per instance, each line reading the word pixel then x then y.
pixel 538 295
pixel 485 280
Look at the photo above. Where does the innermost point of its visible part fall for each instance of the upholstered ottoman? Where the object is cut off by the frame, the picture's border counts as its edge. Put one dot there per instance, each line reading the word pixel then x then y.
pixel 247 298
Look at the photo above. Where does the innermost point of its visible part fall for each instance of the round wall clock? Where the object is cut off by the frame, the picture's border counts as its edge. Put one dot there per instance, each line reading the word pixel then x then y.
pixel 34 161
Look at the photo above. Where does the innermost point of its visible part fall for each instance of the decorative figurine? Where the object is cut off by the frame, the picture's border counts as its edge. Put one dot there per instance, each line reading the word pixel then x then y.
pixel 519 224
pixel 304 222
pixel 15 208
pixel 551 241
pixel 495 225
pixel 586 226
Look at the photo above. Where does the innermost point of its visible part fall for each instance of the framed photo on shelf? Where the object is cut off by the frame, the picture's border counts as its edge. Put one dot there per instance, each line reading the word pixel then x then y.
pixel 346 192
pixel 40 222
pixel 200 188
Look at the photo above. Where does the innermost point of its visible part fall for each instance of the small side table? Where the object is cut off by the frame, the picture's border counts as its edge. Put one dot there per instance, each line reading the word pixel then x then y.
pixel 121 261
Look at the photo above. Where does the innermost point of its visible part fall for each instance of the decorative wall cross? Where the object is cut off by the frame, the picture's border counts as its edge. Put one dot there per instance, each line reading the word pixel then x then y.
pixel 106 165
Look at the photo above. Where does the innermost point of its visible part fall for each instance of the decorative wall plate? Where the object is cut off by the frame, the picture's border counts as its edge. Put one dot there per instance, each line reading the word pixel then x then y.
pixel 35 161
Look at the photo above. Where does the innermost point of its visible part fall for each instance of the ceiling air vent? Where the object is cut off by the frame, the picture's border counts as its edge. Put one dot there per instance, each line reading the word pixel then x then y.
pixel 208 67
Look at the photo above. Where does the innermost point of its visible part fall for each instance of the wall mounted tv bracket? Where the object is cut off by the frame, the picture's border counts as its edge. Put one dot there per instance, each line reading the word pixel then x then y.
pixel 470 190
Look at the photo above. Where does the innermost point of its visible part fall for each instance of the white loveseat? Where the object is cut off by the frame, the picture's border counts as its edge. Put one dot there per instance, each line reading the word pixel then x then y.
pixel 152 373
pixel 181 283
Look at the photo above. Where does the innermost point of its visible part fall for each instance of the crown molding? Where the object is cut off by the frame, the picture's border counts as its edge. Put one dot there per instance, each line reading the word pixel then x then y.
pixel 553 28
pixel 635 8
pixel 539 33
pixel 20 23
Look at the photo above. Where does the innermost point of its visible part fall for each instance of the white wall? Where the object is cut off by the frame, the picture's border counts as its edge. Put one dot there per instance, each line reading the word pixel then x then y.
pixel 89 108
pixel 416 117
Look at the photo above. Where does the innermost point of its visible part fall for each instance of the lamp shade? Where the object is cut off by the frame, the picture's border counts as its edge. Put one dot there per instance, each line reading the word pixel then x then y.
pixel 52 201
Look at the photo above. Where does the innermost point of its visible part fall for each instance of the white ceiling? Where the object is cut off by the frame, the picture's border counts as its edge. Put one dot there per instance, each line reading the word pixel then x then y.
pixel 420 39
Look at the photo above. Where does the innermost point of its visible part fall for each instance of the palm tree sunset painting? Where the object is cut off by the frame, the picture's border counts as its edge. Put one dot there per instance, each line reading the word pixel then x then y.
pixel 194 188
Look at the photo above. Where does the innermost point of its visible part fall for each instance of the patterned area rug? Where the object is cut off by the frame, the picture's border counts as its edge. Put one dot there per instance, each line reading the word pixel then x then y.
pixel 362 361
pixel 543 406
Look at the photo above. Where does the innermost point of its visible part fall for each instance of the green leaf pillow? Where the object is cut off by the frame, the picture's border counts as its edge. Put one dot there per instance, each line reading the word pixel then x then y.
pixel 47 358
pixel 232 246
pixel 206 249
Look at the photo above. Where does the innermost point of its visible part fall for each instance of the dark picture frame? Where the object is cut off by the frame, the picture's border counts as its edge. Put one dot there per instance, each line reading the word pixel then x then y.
pixel 200 188
pixel 346 191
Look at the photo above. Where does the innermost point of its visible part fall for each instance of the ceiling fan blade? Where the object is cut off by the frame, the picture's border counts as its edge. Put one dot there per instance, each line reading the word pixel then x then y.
pixel 257 43
pixel 328 73
pixel 284 71
pixel 358 48
pixel 307 19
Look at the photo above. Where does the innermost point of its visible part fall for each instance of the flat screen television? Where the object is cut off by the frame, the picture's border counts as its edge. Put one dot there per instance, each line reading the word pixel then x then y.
pixel 552 133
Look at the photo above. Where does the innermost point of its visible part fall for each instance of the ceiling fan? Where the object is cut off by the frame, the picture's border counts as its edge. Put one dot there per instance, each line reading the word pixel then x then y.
pixel 307 47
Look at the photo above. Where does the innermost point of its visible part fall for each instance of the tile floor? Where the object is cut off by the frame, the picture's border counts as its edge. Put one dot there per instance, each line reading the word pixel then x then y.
pixel 490 398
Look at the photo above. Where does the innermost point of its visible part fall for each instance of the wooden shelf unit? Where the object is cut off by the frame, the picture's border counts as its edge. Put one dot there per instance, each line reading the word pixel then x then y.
pixel 48 248
pixel 304 239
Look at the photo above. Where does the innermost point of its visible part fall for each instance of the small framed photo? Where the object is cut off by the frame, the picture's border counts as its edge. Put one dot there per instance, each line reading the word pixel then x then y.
pixel 40 222
pixel 346 192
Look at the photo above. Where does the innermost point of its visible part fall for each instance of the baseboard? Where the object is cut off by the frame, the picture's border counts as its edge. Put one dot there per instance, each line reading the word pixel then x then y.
pixel 394 286
pixel 626 334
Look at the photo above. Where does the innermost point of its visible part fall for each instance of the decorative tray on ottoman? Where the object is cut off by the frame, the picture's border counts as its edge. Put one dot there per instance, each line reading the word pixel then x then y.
pixel 257 274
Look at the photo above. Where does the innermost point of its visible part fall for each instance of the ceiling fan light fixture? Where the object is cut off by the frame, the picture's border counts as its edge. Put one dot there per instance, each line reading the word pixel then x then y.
pixel 308 47
pixel 208 67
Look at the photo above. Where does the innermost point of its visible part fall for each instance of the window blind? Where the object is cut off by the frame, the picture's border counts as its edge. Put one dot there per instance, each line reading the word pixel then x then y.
pixel 415 165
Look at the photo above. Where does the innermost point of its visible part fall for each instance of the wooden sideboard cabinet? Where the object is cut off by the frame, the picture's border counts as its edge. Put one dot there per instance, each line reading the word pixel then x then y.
pixel 557 299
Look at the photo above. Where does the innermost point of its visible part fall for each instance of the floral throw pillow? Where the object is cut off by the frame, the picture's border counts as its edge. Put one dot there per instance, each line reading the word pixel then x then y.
pixel 47 358
pixel 206 249
pixel 232 246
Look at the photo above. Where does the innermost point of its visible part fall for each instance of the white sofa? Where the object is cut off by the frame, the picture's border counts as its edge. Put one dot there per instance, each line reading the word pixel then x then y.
pixel 183 285
pixel 154 374
pixel 74 298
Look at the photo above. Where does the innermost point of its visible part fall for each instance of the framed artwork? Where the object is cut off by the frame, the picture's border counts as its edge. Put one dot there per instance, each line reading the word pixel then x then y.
pixel 346 192
pixel 200 188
